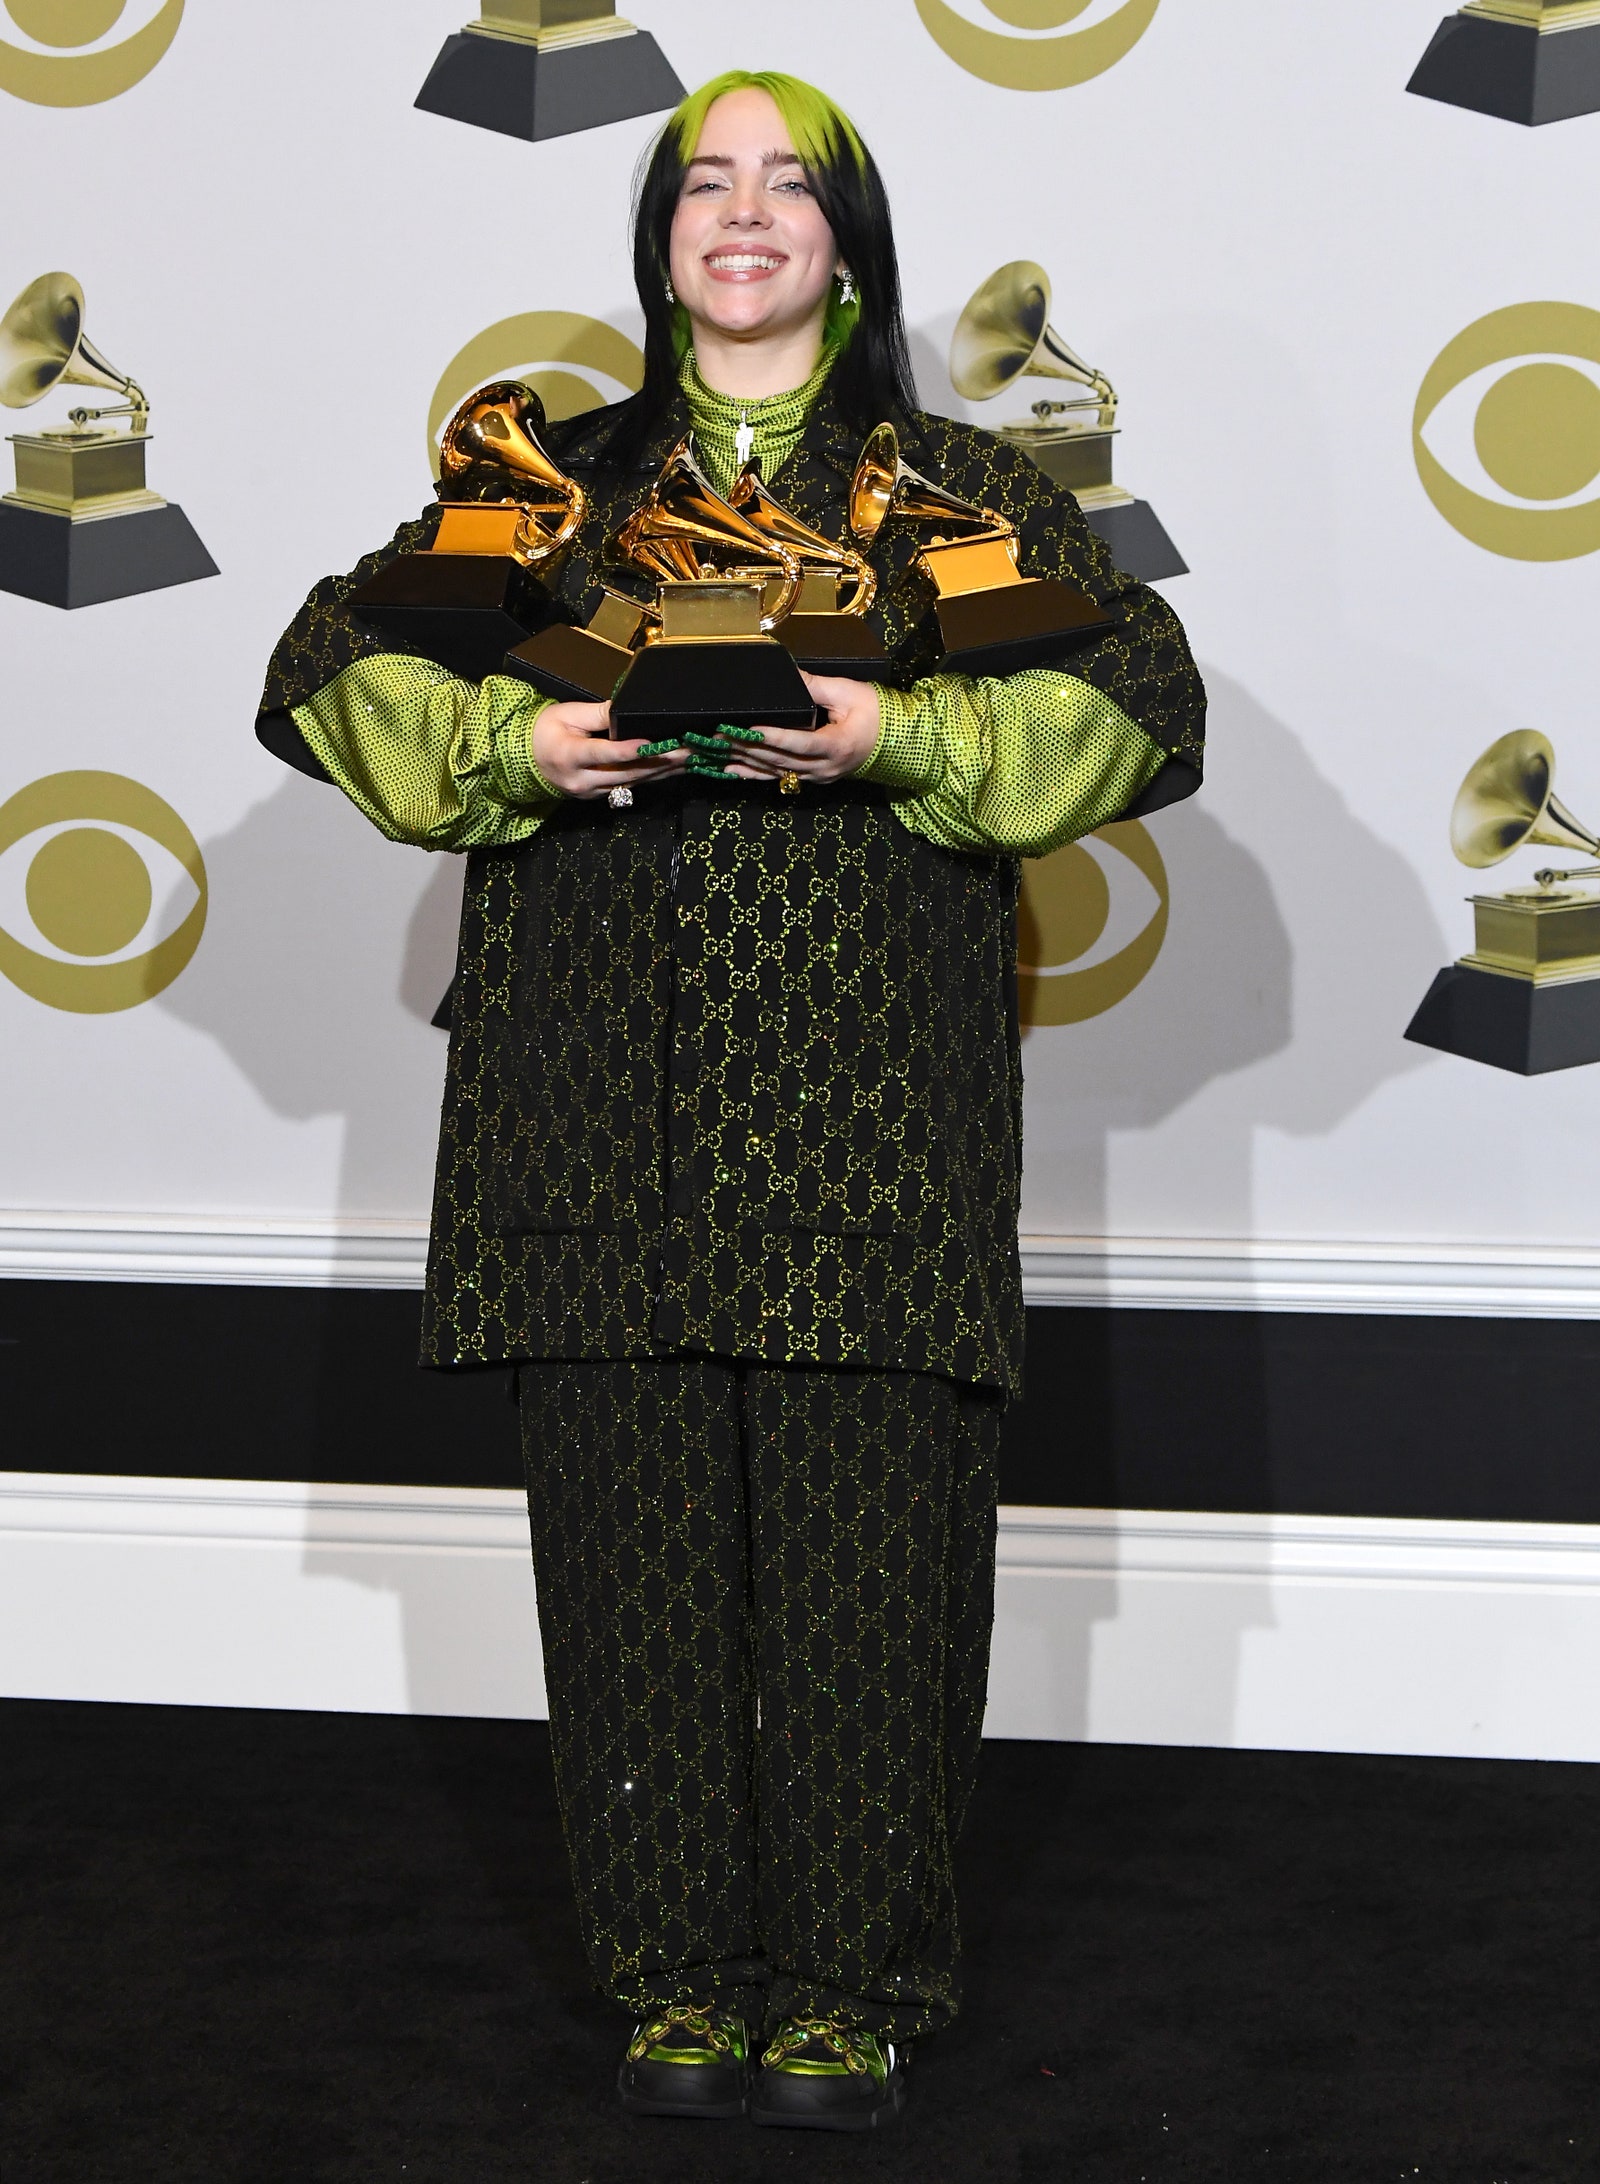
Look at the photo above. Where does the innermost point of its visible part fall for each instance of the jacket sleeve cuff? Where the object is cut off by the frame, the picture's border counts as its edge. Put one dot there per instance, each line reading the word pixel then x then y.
pixel 908 755
pixel 520 778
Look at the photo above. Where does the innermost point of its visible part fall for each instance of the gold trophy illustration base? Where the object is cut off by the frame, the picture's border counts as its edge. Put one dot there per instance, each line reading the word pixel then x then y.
pixel 586 663
pixel 546 68
pixel 1527 997
pixel 82 526
pixel 710 666
pixel 1079 457
pixel 1527 61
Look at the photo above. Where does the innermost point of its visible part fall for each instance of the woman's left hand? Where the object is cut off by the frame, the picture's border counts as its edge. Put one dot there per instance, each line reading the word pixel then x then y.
pixel 841 744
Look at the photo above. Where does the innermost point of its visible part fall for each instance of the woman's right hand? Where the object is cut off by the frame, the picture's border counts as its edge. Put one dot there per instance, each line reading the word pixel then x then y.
pixel 572 749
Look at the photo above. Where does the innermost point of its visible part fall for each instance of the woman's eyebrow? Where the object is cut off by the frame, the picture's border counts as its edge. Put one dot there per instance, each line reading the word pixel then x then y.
pixel 725 159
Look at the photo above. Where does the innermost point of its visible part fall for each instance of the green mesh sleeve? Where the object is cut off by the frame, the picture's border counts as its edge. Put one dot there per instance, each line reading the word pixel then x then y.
pixel 1017 764
pixel 431 760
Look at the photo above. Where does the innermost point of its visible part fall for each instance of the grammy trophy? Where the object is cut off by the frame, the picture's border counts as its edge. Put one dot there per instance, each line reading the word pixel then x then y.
pixel 992 619
pixel 81 525
pixel 1527 997
pixel 1004 335
pixel 700 652
pixel 508 512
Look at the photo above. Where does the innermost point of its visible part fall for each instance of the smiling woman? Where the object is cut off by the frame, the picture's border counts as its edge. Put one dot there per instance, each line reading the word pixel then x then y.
pixel 730 1155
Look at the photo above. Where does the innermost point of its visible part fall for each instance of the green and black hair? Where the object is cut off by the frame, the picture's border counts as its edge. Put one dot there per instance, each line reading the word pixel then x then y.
pixel 872 377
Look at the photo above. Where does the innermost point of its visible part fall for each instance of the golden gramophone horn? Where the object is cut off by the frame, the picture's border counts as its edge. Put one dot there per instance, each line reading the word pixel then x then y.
pixel 1507 800
pixel 1005 334
pixel 490 451
pixel 42 345
pixel 885 485
pixel 750 495
pixel 685 530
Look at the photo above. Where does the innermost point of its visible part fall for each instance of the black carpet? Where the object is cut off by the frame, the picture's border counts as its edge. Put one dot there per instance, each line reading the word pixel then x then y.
pixel 297 1947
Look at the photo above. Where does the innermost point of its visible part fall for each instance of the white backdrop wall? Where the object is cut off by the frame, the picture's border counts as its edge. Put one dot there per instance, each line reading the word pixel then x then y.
pixel 1250 225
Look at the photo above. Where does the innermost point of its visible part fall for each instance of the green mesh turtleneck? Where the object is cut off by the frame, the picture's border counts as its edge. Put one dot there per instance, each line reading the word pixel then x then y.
pixel 776 421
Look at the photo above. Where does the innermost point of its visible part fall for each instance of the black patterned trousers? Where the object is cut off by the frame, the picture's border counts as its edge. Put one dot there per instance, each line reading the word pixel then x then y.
pixel 765 1596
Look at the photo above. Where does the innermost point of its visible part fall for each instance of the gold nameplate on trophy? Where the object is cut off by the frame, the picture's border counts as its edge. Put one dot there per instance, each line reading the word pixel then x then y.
pixel 508 513
pixel 1527 997
pixel 992 619
pixel 72 481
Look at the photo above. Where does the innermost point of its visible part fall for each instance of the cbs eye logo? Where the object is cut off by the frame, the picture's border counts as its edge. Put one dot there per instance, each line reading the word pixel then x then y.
pixel 1038 62
pixel 571 362
pixel 55 70
pixel 1090 924
pixel 102 892
pixel 1507 456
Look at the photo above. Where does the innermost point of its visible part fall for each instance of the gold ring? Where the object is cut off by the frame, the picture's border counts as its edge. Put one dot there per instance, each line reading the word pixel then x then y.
pixel 789 784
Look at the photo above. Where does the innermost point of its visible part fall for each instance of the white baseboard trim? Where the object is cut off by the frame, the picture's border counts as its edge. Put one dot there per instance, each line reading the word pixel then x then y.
pixel 1187 1273
pixel 1277 1633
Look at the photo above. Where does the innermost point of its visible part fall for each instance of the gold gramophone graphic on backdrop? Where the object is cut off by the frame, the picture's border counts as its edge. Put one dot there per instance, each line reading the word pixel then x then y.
pixel 508 512
pixel 992 619
pixel 544 68
pixel 81 525
pixel 1530 61
pixel 1527 996
pixel 1004 335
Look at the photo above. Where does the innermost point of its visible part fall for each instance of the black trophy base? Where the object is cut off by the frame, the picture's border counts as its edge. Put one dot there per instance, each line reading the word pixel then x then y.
pixel 502 84
pixel 1136 540
pixel 464 610
pixel 1510 1023
pixel 569 663
pixel 745 682
pixel 1512 72
pixel 834 644
pixel 1014 625
pixel 68 564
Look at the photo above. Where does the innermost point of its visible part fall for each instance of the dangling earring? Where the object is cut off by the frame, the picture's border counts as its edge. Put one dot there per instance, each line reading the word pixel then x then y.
pixel 847 286
pixel 672 293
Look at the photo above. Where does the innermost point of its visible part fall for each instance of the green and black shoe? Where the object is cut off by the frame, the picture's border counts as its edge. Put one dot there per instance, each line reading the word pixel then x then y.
pixel 686 2062
pixel 820 2076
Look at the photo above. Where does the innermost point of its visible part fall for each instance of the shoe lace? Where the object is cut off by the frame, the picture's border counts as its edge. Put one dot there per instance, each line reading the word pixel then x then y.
pixel 860 2052
pixel 715 2031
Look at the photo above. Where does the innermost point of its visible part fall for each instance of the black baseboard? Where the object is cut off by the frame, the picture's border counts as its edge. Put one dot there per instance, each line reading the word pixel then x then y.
pixel 1313 1414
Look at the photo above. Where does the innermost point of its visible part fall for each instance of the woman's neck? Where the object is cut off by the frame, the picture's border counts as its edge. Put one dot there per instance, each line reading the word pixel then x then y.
pixel 750 371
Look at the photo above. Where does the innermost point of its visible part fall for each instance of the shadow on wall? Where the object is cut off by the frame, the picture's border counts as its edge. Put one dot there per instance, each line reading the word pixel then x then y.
pixel 1235 1030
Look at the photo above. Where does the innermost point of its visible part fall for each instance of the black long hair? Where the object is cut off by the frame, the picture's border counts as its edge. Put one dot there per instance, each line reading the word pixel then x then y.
pixel 871 377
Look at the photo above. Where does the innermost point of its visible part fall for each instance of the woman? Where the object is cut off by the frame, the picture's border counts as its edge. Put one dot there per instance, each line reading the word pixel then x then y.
pixel 730 1150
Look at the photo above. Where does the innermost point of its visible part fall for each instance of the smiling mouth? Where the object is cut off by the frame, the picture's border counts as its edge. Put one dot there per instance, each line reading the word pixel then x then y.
pixel 744 261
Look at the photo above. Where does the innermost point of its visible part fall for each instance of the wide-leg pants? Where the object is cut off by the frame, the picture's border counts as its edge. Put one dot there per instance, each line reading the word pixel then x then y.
pixel 765 1598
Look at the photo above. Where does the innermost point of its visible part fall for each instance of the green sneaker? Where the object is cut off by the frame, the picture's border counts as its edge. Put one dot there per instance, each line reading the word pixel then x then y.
pixel 686 2062
pixel 817 2075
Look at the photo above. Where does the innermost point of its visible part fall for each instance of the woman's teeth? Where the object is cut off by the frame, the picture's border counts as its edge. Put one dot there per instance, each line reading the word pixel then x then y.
pixel 743 262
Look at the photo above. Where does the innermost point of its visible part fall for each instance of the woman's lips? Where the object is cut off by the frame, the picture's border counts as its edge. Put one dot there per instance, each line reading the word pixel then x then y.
pixel 743 265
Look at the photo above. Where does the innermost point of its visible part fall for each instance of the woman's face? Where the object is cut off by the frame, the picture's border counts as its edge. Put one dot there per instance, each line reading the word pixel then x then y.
pixel 751 252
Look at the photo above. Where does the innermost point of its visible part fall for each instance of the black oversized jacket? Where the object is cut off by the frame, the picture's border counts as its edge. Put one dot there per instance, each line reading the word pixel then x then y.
pixel 736 1074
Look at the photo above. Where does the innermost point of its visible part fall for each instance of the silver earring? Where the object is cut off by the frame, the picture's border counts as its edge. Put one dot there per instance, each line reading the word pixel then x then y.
pixel 847 286
pixel 672 293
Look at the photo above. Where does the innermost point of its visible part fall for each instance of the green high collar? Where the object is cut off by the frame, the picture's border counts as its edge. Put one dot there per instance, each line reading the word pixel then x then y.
pixel 775 422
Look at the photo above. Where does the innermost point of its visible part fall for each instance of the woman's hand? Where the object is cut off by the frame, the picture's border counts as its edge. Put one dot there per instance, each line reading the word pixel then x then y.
pixel 842 744
pixel 571 748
